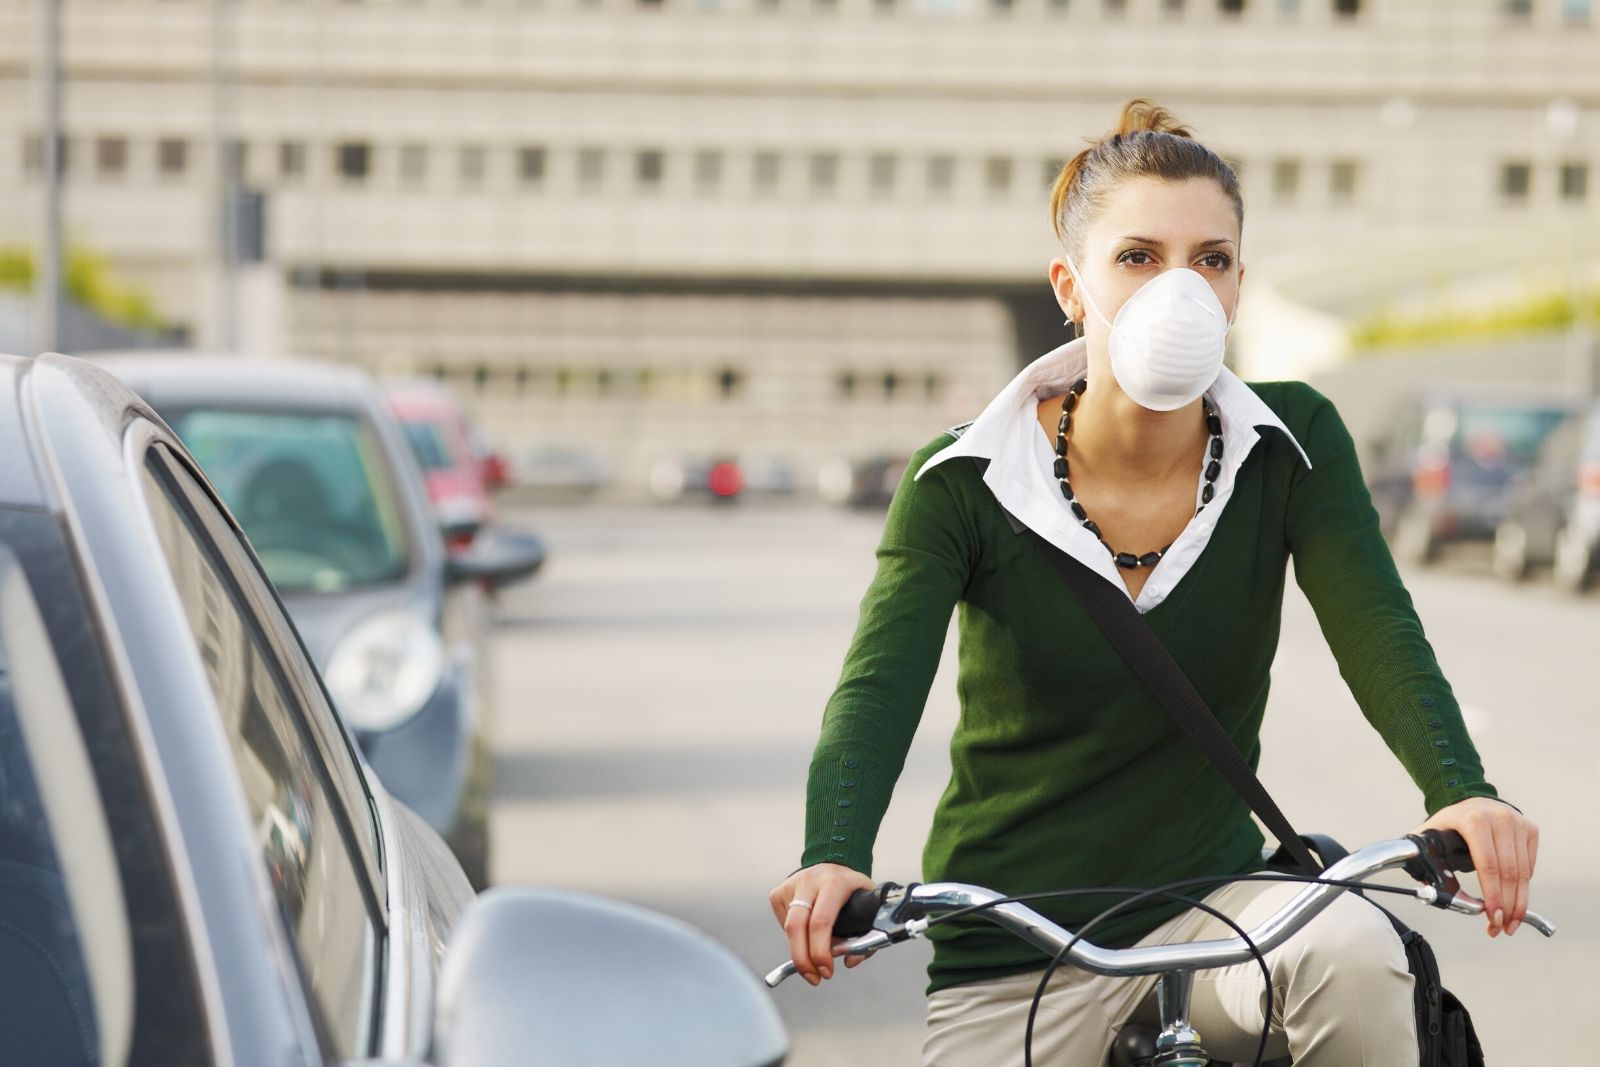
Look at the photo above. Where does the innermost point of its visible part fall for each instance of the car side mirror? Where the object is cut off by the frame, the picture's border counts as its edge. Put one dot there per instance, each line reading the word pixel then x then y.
pixel 499 557
pixel 554 976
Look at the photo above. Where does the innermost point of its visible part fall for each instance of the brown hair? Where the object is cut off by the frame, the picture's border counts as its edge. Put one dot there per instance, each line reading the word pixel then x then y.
pixel 1148 142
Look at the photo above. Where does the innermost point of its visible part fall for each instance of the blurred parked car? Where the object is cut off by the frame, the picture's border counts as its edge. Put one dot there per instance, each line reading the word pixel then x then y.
pixel 718 479
pixel 1553 509
pixel 559 469
pixel 864 483
pixel 322 480
pixel 197 867
pixel 1442 472
pixel 455 465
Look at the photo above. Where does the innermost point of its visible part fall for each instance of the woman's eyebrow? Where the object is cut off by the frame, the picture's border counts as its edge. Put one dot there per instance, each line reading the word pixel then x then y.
pixel 1215 242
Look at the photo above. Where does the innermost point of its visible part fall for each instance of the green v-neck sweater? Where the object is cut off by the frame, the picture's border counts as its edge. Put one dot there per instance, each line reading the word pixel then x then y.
pixel 1065 771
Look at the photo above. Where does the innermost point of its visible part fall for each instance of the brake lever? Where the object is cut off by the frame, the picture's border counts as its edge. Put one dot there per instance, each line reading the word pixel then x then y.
pixel 1467 904
pixel 865 945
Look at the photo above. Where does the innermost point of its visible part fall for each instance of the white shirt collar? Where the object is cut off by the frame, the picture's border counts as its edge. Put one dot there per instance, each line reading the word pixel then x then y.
pixel 1007 433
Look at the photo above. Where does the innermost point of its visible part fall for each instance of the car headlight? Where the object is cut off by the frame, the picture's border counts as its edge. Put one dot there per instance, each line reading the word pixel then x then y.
pixel 385 669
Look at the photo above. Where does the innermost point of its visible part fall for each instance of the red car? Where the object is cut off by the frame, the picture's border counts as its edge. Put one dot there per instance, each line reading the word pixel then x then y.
pixel 459 474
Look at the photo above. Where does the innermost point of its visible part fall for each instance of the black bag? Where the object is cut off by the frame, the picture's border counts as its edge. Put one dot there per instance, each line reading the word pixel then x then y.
pixel 1445 1035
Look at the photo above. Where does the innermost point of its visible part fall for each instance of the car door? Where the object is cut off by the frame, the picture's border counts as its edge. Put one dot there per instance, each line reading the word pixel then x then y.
pixel 315 834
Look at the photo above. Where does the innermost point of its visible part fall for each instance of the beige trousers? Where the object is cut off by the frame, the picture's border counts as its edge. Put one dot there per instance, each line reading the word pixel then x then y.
pixel 1341 996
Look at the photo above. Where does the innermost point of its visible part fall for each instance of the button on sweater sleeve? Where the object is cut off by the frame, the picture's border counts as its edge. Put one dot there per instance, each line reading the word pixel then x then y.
pixel 1344 566
pixel 924 560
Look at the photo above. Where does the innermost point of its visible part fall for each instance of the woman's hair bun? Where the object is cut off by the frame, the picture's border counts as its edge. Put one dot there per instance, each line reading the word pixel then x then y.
pixel 1142 116
pixel 1147 141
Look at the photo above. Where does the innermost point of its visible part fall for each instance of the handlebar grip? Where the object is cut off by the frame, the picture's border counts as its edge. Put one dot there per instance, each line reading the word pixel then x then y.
pixel 856 917
pixel 1452 847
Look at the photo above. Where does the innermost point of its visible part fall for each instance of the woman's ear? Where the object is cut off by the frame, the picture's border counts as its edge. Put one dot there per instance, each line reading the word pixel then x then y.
pixel 1066 289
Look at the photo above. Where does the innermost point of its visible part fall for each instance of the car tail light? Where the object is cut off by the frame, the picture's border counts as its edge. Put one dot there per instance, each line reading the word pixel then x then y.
pixel 725 480
pixel 1431 478
pixel 1589 479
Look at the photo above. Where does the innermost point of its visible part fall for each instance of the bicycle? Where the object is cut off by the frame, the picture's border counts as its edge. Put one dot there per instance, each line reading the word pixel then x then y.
pixel 892 914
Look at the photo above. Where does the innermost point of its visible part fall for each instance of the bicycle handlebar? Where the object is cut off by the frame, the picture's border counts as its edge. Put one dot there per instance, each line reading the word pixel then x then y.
pixel 875 919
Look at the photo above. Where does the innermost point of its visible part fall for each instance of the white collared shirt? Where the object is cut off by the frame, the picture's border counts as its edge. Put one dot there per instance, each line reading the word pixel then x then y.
pixel 1022 457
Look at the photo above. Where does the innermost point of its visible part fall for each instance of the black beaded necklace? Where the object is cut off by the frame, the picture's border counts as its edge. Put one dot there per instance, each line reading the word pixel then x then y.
pixel 1128 560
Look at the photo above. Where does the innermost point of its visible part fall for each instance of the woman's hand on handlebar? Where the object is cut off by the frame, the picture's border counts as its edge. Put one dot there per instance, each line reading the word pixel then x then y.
pixel 825 887
pixel 1504 846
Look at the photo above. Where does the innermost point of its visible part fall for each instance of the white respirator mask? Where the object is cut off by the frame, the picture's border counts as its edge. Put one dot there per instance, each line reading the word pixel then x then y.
pixel 1168 339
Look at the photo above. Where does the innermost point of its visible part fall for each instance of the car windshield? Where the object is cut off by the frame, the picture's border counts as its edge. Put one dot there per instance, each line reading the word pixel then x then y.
pixel 311 489
pixel 427 441
pixel 66 998
pixel 1494 436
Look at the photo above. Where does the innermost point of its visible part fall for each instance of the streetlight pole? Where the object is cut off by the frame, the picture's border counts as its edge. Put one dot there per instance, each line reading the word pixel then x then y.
pixel 47 273
pixel 225 176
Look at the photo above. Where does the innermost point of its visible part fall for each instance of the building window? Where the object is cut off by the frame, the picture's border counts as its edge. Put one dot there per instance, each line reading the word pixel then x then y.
pixel 824 173
pixel 880 173
pixel 413 164
pixel 997 174
pixel 1285 178
pixel 1058 6
pixel 591 167
pixel 932 385
pixel 530 165
pixel 1519 9
pixel 846 384
pixel 1231 7
pixel 649 168
pixel 707 169
pixel 1172 8
pixel 728 382
pixel 1515 179
pixel 353 160
pixel 768 168
pixel 1575 12
pixel 235 160
pixel 1002 7
pixel 473 164
pixel 1574 181
pixel 1347 8
pixel 111 156
pixel 883 7
pixel 32 153
pixel 1342 176
pixel 291 160
pixel 1115 8
pixel 891 382
pixel 172 156
pixel 941 175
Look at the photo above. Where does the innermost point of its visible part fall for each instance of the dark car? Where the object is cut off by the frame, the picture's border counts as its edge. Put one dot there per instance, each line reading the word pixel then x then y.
pixel 196 865
pixel 1553 510
pixel 1441 474
pixel 309 459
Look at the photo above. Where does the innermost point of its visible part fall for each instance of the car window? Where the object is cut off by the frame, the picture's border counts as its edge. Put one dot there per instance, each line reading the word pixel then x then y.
pixel 427 441
pixel 311 489
pixel 85 881
pixel 1491 437
pixel 304 845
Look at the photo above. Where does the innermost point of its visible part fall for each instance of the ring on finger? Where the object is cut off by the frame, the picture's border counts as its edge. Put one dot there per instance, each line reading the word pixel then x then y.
pixel 800 904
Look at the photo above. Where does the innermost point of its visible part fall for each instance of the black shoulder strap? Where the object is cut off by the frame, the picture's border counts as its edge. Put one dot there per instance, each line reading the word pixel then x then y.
pixel 1130 634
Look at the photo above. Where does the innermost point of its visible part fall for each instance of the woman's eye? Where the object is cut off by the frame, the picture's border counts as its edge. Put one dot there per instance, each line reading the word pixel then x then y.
pixel 1218 261
pixel 1138 257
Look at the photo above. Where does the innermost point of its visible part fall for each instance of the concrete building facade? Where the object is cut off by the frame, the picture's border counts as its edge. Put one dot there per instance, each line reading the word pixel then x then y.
pixel 805 227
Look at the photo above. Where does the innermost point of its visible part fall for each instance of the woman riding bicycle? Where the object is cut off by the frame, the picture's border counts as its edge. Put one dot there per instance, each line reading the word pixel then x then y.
pixel 1134 450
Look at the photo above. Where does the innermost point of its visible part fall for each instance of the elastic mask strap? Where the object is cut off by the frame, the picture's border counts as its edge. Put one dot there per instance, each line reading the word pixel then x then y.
pixel 1077 276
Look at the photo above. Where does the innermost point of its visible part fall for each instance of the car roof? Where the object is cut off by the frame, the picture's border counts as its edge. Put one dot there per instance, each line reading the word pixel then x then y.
pixel 421 398
pixel 184 378
pixel 97 419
